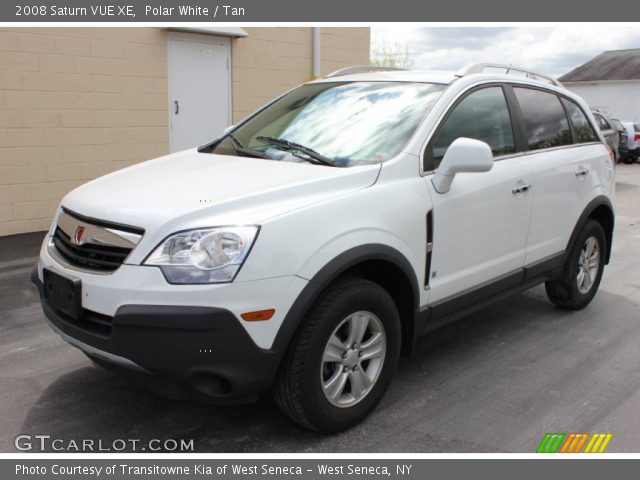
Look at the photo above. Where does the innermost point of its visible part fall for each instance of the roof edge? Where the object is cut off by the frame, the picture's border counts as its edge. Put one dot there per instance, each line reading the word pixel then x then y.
pixel 234 32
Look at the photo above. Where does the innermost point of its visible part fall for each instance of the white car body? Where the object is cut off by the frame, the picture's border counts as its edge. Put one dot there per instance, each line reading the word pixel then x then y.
pixel 309 216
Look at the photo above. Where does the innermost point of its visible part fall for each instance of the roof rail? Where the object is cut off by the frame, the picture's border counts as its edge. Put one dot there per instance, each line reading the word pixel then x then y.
pixel 481 67
pixel 360 69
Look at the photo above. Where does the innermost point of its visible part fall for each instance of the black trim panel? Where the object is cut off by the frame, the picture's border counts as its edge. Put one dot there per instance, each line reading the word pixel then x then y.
pixel 104 223
pixel 475 295
pixel 547 266
pixel 452 308
pixel 586 214
pixel 427 270
pixel 195 353
pixel 329 273
pixel 517 119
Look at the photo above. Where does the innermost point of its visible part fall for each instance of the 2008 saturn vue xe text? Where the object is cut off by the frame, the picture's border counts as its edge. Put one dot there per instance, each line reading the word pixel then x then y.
pixel 306 248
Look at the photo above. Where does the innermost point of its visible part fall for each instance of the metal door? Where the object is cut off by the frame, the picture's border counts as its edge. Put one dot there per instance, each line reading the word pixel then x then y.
pixel 199 89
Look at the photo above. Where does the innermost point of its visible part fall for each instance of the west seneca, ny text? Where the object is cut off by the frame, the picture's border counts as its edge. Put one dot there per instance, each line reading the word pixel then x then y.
pixel 128 12
pixel 201 470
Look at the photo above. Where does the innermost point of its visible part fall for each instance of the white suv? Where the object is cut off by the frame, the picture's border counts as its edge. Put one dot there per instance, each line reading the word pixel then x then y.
pixel 306 248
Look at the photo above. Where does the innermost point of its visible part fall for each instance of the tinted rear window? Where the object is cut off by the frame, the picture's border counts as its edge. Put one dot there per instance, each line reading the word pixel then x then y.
pixel 545 120
pixel 582 127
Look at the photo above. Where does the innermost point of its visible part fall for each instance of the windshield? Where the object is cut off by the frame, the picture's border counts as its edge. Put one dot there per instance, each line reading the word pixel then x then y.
pixel 337 123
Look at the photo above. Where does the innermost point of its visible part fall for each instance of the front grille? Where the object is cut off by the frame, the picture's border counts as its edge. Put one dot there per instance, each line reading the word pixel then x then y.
pixel 92 244
pixel 91 256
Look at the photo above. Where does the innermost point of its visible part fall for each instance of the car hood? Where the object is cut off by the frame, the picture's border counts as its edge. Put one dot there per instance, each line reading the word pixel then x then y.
pixel 191 189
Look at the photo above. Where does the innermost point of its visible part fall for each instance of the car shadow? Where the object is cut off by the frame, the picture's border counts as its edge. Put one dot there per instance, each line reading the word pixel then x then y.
pixel 93 403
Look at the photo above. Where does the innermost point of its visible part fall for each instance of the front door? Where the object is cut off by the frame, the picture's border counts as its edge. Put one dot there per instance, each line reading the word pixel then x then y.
pixel 480 225
pixel 199 89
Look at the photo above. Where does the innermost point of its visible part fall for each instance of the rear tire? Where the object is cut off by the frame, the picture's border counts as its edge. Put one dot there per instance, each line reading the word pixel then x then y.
pixel 580 278
pixel 342 358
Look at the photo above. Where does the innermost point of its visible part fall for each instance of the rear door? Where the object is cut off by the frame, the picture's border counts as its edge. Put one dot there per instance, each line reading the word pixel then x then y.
pixel 565 159
pixel 479 225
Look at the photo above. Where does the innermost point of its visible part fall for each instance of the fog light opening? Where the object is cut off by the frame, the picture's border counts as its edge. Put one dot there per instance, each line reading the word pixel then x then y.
pixel 211 384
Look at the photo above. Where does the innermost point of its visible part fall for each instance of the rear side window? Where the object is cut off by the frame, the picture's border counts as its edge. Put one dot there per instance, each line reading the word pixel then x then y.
pixel 581 126
pixel 482 115
pixel 544 118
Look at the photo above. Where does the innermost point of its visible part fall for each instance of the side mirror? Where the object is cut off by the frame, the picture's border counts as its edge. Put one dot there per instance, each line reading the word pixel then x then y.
pixel 463 155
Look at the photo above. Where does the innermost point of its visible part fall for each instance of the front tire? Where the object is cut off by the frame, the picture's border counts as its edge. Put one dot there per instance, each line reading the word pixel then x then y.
pixel 342 359
pixel 580 278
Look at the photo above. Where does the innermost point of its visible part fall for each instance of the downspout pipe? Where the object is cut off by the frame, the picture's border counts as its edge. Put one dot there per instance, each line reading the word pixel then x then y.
pixel 315 53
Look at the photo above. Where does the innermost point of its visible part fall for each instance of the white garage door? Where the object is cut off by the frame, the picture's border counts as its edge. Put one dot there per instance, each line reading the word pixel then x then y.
pixel 199 89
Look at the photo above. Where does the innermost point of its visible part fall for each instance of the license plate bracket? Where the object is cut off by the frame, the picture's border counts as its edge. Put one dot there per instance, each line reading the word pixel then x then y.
pixel 63 294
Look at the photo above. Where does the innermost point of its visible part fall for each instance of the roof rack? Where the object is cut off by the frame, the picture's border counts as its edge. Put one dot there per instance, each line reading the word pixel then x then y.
pixel 360 69
pixel 481 67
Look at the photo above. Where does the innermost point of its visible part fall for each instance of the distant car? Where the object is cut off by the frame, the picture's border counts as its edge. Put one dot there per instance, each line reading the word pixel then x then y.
pixel 623 147
pixel 608 131
pixel 633 141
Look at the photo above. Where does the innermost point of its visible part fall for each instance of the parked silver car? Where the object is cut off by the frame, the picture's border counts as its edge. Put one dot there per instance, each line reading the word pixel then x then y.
pixel 623 147
pixel 633 141
pixel 609 132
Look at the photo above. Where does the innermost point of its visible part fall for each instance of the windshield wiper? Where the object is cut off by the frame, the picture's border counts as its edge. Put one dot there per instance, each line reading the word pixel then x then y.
pixel 311 154
pixel 240 148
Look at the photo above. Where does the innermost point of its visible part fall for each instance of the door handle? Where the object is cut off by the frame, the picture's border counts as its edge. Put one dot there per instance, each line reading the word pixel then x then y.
pixel 177 110
pixel 521 188
pixel 582 171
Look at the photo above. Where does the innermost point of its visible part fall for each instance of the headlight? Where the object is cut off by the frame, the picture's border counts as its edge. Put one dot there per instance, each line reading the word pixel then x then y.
pixel 210 255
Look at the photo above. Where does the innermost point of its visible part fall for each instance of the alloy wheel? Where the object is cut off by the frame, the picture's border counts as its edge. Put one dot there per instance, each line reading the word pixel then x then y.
pixel 588 264
pixel 352 359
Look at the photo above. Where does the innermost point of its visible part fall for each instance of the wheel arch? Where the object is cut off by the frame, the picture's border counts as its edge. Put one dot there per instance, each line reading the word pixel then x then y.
pixel 601 210
pixel 376 262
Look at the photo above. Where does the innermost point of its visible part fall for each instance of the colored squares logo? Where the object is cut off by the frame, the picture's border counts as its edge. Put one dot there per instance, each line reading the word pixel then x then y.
pixel 574 443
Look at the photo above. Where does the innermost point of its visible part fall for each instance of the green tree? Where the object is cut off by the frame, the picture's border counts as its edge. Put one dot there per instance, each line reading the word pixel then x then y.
pixel 393 55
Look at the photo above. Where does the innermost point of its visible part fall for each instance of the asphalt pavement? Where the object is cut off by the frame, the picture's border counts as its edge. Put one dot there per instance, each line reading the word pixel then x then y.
pixel 496 381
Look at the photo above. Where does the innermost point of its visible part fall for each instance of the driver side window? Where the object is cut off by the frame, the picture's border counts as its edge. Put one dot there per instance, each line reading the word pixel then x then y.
pixel 482 115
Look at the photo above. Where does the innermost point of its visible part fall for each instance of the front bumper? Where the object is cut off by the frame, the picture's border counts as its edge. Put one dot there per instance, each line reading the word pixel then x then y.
pixel 200 353
pixel 185 341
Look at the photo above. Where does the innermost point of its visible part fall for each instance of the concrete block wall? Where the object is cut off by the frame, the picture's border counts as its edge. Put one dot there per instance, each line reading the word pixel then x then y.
pixel 343 47
pixel 77 103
